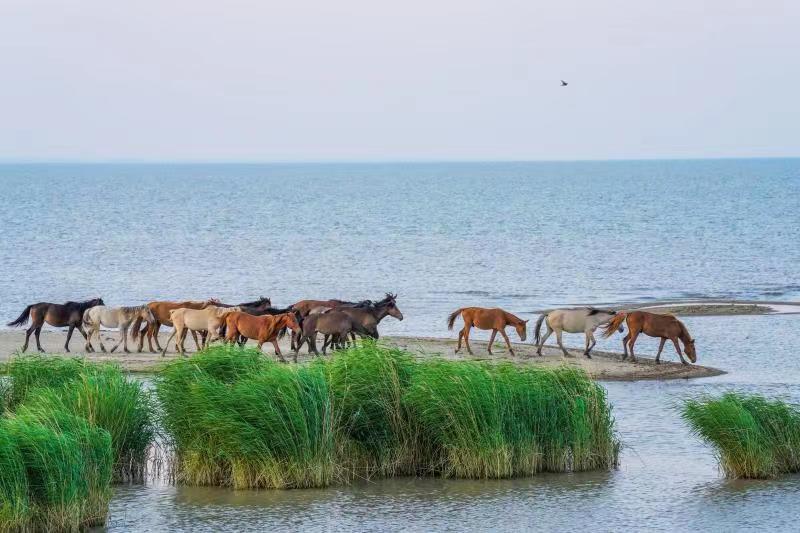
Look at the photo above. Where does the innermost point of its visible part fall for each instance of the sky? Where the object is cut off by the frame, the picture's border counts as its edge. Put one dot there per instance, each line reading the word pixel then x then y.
pixel 350 80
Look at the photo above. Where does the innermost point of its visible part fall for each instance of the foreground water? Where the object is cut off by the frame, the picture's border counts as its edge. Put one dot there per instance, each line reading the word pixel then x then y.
pixel 667 481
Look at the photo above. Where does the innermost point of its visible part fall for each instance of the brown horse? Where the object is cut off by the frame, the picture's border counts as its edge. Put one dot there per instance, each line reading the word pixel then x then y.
pixel 306 307
pixel 494 319
pixel 58 315
pixel 265 328
pixel 653 325
pixel 334 324
pixel 365 316
pixel 161 311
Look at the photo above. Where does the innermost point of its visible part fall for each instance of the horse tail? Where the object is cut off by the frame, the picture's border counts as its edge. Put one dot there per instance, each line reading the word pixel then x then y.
pixel 135 327
pixel 538 327
pixel 452 318
pixel 21 319
pixel 614 324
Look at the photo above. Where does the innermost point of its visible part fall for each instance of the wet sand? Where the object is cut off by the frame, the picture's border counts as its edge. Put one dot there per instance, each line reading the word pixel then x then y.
pixel 602 365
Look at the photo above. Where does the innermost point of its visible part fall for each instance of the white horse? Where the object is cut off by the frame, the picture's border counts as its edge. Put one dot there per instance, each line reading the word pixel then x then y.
pixel 583 320
pixel 208 320
pixel 113 317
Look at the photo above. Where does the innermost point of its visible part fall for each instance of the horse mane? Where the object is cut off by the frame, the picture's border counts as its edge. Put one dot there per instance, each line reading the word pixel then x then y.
pixel 513 319
pixel 684 332
pixel 255 303
pixel 595 310
pixel 132 308
pixel 83 306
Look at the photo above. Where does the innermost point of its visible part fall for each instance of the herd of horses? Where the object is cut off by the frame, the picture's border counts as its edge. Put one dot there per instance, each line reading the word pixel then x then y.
pixel 339 321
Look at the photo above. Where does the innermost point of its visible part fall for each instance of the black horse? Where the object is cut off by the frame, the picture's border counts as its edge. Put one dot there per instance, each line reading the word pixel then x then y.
pixel 58 315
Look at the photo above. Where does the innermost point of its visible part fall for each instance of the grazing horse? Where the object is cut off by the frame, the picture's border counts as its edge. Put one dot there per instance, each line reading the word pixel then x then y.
pixel 265 328
pixel 161 311
pixel 584 320
pixel 653 325
pixel 208 319
pixel 58 315
pixel 113 317
pixel 334 324
pixel 494 319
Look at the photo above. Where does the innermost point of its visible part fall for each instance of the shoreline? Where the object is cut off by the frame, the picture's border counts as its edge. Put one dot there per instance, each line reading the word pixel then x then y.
pixel 603 366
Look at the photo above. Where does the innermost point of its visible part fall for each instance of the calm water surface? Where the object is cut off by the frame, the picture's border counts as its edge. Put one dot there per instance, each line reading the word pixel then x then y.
pixel 522 236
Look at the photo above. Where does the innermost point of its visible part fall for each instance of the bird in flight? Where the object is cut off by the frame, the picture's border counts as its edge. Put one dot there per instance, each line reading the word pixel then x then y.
pixel 563 83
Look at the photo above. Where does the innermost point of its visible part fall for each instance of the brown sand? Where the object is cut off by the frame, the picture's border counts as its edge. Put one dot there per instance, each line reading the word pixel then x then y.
pixel 602 366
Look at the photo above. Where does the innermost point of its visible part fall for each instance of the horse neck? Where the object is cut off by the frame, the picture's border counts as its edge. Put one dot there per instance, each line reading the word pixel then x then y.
pixel 511 319
pixel 684 334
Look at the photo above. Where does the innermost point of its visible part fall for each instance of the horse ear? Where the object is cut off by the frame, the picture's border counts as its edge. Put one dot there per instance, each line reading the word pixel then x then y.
pixel 526 321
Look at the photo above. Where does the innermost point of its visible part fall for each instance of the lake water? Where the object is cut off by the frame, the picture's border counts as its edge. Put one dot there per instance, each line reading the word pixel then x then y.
pixel 520 235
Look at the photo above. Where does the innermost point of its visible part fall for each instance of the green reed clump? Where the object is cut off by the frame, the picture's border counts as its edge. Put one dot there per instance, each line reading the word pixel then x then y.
pixel 239 419
pixel 101 393
pixel 55 471
pixel 236 418
pixel 753 437
pixel 495 421
pixel 368 383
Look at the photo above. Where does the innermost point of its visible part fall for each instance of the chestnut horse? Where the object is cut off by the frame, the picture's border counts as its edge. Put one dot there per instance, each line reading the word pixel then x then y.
pixel 58 315
pixel 494 319
pixel 265 328
pixel 653 325
pixel 161 311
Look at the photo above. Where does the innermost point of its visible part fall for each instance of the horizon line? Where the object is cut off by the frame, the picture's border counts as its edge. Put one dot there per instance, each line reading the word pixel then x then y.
pixel 124 161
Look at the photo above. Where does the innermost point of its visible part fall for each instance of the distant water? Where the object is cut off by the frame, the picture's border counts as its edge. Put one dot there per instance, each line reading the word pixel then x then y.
pixel 518 235
pixel 523 236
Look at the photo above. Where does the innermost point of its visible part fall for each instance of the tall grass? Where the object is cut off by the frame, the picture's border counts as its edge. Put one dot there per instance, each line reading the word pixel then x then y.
pixel 100 393
pixel 55 471
pixel 239 419
pixel 752 436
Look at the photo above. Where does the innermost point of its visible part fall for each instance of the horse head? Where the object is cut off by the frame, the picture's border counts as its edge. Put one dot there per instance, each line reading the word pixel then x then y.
pixel 688 347
pixel 96 301
pixel 391 306
pixel 292 320
pixel 522 329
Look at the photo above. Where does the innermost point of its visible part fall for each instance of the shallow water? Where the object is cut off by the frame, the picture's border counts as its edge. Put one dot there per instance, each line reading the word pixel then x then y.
pixel 519 235
pixel 667 480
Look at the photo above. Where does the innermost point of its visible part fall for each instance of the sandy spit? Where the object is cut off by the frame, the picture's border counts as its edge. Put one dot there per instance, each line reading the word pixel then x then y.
pixel 602 365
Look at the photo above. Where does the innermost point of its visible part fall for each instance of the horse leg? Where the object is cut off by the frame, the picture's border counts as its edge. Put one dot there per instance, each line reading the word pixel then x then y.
pixel 590 342
pixel 154 335
pixel 546 336
pixel 69 336
pixel 88 344
pixel 625 340
pixel 194 336
pixel 631 343
pixel 460 336
pixel 99 338
pixel 278 350
pixel 560 345
pixel 121 330
pixel 660 347
pixel 491 340
pixel 508 342
pixel 327 339
pixel 312 344
pixel 125 339
pixel 38 332
pixel 466 341
pixel 678 349
pixel 28 332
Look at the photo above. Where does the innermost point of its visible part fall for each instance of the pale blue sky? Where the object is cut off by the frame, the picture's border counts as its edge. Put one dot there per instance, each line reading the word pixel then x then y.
pixel 417 79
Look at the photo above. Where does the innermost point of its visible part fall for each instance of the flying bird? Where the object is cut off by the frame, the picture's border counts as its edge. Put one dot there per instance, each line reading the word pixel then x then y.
pixel 563 83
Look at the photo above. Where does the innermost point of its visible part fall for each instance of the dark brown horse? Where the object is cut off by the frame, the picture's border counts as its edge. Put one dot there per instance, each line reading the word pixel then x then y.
pixel 58 315
pixel 305 307
pixel 494 319
pixel 334 324
pixel 366 316
pixel 653 325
